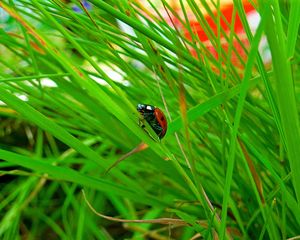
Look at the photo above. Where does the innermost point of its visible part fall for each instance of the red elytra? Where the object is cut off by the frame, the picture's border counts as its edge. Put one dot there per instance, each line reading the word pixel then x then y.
pixel 161 119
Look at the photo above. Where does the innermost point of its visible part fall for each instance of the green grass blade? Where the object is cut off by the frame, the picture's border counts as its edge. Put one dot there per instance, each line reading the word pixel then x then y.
pixel 285 93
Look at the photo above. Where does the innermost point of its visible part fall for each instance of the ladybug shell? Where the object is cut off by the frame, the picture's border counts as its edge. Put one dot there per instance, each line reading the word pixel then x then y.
pixel 155 118
pixel 162 121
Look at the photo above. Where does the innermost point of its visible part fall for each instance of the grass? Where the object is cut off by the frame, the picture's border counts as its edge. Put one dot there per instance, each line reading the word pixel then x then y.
pixel 228 166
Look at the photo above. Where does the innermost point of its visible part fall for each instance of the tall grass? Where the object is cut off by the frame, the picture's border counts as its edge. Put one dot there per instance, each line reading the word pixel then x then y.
pixel 229 164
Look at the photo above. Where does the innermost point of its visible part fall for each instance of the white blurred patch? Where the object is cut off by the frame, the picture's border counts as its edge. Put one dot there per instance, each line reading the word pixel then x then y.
pixel 253 18
pixel 47 82
pixel 114 73
pixel 22 97
pixel 99 80
pixel 126 28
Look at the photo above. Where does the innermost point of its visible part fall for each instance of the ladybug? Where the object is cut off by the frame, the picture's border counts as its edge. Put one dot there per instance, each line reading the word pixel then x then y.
pixel 154 117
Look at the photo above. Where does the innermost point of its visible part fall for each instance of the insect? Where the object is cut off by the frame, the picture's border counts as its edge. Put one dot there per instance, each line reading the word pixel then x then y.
pixel 154 117
pixel 158 122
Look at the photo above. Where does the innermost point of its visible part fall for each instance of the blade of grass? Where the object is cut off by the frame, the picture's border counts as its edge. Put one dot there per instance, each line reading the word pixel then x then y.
pixel 294 22
pixel 239 109
pixel 285 93
pixel 69 175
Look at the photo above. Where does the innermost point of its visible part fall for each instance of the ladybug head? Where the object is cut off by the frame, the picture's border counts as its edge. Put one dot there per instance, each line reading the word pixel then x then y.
pixel 145 108
pixel 140 107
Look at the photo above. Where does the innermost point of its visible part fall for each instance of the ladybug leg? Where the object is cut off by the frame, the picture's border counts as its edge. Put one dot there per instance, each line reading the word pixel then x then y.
pixel 157 129
pixel 143 126
pixel 141 123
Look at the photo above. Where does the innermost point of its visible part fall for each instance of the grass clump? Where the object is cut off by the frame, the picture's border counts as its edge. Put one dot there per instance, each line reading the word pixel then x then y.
pixel 70 80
